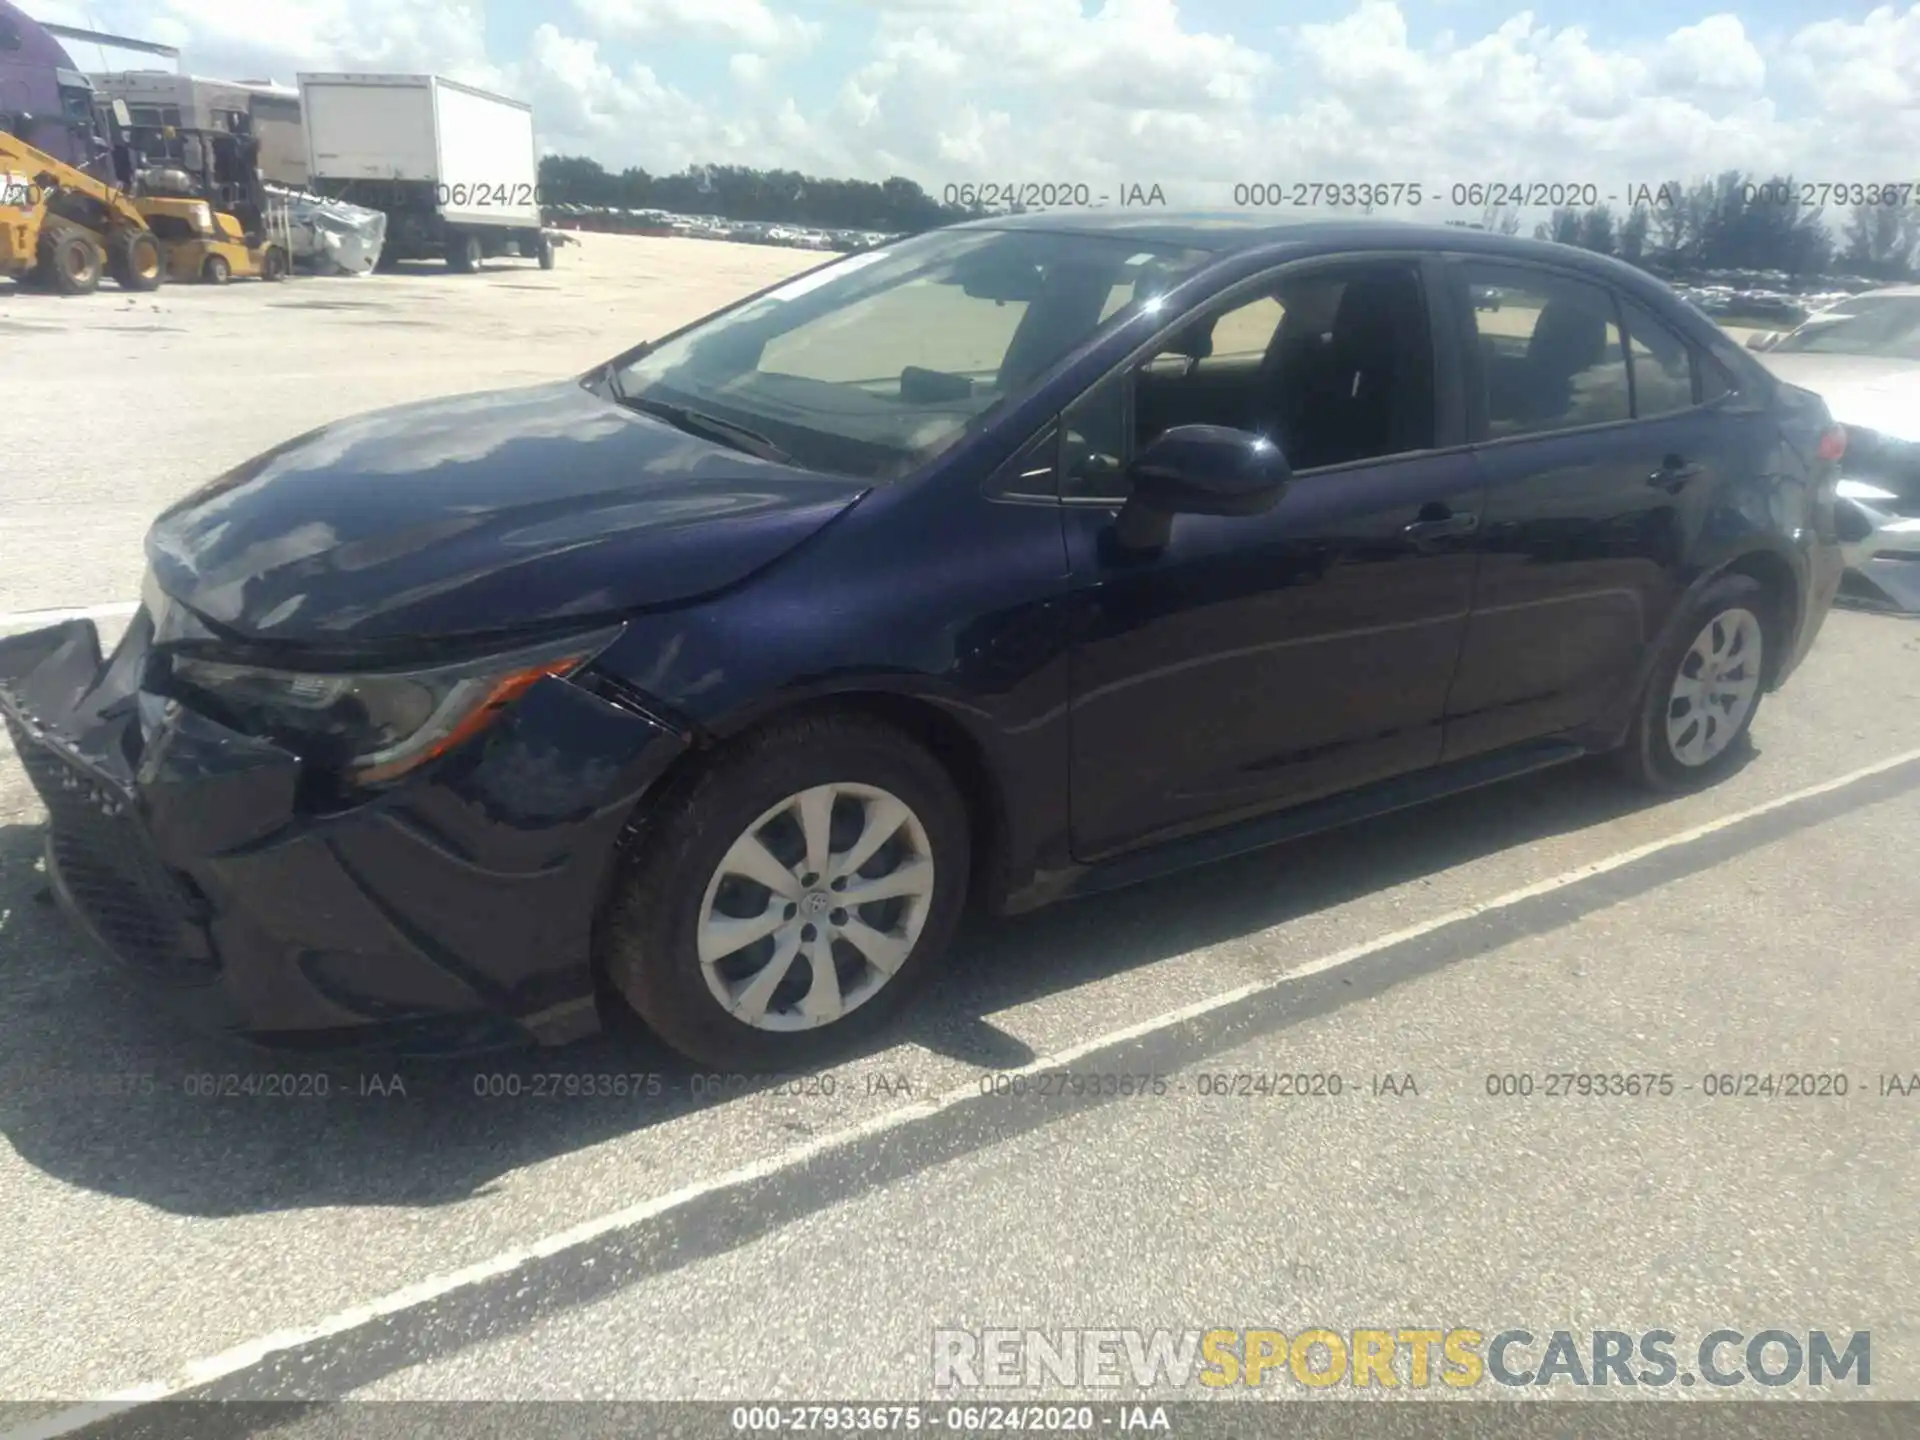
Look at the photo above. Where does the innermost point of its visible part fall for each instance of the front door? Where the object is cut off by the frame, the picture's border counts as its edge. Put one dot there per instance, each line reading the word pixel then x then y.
pixel 1262 661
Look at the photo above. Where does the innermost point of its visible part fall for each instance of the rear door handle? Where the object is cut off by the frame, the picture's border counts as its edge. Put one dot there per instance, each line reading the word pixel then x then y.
pixel 1445 526
pixel 1673 474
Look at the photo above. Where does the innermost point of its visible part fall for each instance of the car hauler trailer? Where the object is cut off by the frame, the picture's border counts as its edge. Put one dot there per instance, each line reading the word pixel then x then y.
pixel 453 168
pixel 44 101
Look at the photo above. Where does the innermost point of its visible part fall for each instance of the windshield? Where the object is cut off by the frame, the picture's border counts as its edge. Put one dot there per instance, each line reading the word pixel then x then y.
pixel 1888 325
pixel 874 365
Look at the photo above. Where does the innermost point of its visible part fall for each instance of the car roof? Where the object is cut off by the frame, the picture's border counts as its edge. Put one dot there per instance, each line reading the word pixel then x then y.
pixel 1228 231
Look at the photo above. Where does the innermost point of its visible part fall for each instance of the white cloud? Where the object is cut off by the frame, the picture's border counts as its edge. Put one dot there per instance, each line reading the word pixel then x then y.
pixel 1125 90
pixel 1713 57
pixel 1866 77
pixel 278 37
pixel 746 24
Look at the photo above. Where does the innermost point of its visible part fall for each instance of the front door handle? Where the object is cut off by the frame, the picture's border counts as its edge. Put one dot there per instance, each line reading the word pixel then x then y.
pixel 1438 523
pixel 1673 474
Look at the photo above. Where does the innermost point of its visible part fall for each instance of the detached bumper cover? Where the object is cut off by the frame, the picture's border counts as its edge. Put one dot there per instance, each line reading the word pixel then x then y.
pixel 1882 550
pixel 454 910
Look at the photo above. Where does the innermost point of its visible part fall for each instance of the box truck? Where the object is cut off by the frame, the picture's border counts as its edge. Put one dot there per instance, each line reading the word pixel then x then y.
pixel 162 104
pixel 453 168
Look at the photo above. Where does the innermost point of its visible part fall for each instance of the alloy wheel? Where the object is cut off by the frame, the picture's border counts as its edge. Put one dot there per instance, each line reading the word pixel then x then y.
pixel 1716 687
pixel 815 907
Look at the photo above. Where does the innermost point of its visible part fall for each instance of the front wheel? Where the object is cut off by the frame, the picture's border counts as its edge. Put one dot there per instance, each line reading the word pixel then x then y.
pixel 1693 721
pixel 465 254
pixel 71 260
pixel 136 260
pixel 216 270
pixel 788 901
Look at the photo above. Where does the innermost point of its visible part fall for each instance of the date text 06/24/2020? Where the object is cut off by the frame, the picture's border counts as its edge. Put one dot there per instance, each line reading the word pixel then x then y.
pixel 1415 194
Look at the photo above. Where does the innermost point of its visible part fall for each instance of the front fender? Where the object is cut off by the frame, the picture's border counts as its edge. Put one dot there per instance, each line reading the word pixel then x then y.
pixel 997 684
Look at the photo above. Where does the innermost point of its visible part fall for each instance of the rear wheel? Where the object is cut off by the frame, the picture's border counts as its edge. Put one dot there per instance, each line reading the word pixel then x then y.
pixel 216 270
pixel 789 900
pixel 136 260
pixel 70 260
pixel 1694 717
pixel 543 250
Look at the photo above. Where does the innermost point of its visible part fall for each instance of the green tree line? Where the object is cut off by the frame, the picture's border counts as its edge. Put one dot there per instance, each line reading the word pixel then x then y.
pixel 1731 221
pixel 737 192
pixel 1736 222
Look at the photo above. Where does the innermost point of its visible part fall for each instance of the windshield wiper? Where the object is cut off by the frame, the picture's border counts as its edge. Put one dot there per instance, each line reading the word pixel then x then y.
pixel 708 427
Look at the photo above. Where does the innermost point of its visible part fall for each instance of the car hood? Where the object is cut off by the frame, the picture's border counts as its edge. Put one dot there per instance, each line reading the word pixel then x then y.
pixel 479 513
pixel 1867 391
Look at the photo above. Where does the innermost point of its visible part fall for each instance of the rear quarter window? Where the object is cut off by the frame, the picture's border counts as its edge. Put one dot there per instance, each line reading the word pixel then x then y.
pixel 1663 364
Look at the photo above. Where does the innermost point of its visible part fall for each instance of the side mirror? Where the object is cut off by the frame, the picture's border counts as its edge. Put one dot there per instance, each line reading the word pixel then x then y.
pixel 1763 339
pixel 1199 470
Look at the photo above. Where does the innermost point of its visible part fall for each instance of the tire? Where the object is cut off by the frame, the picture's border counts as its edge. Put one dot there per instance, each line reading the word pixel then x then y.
pixel 543 250
pixel 273 264
pixel 70 260
pixel 465 253
pixel 136 260
pixel 1665 753
pixel 216 270
pixel 677 876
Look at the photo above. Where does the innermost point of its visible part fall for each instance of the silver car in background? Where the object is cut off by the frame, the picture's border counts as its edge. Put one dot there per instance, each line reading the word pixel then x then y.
pixel 1863 358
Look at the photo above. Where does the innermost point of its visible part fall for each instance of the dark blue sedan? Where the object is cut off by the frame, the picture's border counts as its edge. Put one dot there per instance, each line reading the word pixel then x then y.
pixel 999 565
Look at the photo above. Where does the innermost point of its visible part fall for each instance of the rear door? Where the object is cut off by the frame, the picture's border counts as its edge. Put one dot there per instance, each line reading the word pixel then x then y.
pixel 1597 458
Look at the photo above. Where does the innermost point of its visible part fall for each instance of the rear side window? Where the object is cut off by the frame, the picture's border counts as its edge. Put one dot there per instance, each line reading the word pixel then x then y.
pixel 1551 355
pixel 1663 364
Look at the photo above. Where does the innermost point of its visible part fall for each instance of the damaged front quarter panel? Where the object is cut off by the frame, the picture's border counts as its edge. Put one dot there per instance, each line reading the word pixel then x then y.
pixel 469 891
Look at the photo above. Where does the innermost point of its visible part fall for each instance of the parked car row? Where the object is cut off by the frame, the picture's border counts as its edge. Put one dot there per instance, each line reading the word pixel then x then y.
pixel 1773 299
pixel 711 227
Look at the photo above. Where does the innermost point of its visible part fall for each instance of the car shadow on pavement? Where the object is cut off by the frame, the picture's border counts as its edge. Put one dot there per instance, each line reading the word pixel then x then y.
pixel 101 1090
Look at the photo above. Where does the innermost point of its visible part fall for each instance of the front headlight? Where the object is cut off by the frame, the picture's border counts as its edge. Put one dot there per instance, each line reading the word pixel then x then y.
pixel 375 726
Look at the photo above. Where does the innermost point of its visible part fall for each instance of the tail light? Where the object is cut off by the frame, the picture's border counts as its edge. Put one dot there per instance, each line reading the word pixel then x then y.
pixel 1833 444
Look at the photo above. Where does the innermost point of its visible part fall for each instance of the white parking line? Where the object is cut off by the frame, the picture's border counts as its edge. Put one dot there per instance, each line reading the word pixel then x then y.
pixel 215 1367
pixel 26 619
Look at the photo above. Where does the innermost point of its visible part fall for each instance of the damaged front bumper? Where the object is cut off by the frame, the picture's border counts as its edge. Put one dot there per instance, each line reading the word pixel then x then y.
pixel 452 911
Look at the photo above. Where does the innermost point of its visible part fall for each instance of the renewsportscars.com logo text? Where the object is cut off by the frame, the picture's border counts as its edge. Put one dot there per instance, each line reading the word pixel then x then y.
pixel 1403 1357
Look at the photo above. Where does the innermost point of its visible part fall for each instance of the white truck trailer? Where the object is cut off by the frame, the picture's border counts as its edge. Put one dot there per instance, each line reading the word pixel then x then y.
pixel 453 168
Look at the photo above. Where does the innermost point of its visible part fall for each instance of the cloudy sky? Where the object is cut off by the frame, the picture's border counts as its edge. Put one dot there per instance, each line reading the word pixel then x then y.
pixel 1193 94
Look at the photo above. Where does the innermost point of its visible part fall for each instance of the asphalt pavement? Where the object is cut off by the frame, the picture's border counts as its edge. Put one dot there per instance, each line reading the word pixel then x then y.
pixel 1094 1120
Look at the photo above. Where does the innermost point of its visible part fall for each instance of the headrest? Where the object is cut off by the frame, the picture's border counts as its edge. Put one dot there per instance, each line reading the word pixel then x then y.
pixel 1567 338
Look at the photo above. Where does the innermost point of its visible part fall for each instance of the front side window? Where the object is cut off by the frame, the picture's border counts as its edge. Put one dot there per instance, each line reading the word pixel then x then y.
pixel 876 364
pixel 76 104
pixel 1333 364
pixel 1663 364
pixel 1551 356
